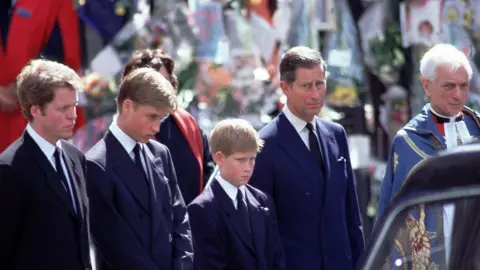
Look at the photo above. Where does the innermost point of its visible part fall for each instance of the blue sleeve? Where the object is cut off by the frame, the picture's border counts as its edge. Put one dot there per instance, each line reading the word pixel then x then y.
pixel 263 173
pixel 354 225
pixel 400 162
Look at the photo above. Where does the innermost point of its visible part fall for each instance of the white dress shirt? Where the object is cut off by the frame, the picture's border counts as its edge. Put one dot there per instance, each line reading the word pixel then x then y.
pixel 127 142
pixel 49 150
pixel 301 126
pixel 231 190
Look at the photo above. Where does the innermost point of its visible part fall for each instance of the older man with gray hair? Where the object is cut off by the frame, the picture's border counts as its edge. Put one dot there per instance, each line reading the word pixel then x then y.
pixel 443 123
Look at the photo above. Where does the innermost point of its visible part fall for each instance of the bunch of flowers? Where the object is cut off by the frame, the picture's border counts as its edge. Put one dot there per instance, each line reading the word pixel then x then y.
pixel 100 95
pixel 388 53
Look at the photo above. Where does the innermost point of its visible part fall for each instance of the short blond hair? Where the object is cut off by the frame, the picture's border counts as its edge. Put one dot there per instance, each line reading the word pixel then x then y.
pixel 234 135
pixel 146 86
pixel 38 80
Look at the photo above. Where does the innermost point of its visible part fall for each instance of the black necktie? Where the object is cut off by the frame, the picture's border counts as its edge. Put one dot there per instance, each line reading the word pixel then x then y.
pixel 242 210
pixel 58 165
pixel 138 151
pixel 313 145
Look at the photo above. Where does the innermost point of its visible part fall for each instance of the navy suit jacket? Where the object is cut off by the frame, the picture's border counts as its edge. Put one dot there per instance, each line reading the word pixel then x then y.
pixel 131 229
pixel 318 216
pixel 221 243
pixel 39 228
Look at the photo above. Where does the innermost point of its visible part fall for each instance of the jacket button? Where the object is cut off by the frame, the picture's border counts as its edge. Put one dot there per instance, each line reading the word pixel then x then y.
pixel 307 195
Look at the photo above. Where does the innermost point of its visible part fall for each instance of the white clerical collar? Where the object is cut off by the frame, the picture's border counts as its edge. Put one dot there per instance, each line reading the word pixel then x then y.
pixel 456 132
pixel 450 118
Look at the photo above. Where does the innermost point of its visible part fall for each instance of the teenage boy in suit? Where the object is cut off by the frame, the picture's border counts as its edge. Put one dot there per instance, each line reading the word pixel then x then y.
pixel 233 224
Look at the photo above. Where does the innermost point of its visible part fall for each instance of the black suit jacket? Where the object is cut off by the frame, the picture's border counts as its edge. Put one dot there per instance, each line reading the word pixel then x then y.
pixel 131 229
pixel 186 165
pixel 220 242
pixel 39 228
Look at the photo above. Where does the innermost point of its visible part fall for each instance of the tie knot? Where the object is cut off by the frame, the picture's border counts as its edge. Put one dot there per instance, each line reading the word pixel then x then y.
pixel 57 152
pixel 309 126
pixel 136 149
pixel 239 195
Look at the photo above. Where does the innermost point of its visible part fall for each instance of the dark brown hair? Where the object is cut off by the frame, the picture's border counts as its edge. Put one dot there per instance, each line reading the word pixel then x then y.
pixel 299 57
pixel 154 59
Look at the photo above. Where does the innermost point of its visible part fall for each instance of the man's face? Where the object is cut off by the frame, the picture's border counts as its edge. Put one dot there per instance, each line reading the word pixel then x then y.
pixel 142 121
pixel 237 168
pixel 57 119
pixel 449 92
pixel 305 96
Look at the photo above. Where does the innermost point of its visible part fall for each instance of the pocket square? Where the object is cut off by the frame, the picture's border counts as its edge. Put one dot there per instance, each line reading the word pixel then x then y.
pixel 265 209
pixel 341 159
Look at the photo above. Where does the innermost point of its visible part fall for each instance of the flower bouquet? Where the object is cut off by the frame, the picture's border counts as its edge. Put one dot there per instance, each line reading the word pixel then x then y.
pixel 100 106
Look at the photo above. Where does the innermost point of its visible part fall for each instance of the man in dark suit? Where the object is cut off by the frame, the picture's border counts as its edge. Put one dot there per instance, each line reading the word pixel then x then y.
pixel 178 131
pixel 43 200
pixel 233 223
pixel 305 167
pixel 139 218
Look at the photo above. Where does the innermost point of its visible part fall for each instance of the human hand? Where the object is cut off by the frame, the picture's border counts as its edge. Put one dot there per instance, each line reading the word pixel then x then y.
pixel 8 98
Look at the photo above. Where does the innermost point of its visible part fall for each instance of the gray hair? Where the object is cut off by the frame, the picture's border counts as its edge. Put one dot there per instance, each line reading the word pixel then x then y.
pixel 443 54
pixel 299 57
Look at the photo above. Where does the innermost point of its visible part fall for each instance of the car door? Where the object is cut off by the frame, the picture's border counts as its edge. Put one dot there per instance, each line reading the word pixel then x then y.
pixel 433 222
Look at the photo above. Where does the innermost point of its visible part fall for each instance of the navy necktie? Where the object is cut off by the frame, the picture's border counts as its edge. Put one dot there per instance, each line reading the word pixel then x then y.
pixel 58 165
pixel 313 145
pixel 138 151
pixel 243 211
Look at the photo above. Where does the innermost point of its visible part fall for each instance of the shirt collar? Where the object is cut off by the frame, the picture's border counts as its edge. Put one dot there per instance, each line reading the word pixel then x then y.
pixel 47 148
pixel 230 189
pixel 126 141
pixel 296 122
pixel 443 118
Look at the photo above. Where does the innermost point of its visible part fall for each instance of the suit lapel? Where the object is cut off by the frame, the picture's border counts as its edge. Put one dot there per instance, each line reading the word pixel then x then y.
pixel 75 181
pixel 51 175
pixel 233 217
pixel 257 221
pixel 293 145
pixel 326 141
pixel 126 170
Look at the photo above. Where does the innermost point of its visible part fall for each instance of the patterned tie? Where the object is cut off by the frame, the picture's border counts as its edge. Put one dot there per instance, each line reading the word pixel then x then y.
pixel 58 165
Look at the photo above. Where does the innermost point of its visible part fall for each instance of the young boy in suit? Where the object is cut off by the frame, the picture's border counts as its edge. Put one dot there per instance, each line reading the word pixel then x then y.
pixel 233 224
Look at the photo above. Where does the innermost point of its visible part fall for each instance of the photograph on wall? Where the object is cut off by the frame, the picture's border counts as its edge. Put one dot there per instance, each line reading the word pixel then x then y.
pixel 325 15
pixel 420 22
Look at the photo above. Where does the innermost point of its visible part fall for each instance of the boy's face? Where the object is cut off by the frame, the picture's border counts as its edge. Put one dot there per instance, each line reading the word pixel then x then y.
pixel 236 168
pixel 142 121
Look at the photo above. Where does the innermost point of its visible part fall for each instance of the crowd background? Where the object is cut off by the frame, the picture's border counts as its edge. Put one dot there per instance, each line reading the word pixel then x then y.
pixel 227 55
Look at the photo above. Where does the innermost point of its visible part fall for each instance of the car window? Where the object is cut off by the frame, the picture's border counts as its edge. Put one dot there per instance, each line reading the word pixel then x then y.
pixel 433 231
